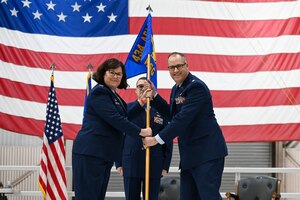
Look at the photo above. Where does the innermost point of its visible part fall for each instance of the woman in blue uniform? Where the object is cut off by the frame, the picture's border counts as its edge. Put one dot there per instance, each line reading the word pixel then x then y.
pixel 99 141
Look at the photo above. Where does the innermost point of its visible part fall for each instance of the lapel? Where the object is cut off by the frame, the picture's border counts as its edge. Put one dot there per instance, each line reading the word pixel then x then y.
pixel 175 94
pixel 120 100
pixel 172 100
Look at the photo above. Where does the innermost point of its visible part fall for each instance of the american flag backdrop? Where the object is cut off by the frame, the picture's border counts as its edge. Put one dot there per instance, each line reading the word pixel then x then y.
pixel 247 51
pixel 52 176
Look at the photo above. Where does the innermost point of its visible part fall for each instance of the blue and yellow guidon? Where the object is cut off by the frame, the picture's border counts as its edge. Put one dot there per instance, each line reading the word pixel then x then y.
pixel 136 62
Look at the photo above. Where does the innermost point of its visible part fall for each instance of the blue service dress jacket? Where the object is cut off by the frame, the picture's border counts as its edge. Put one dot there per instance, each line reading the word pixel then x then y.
pixel 104 125
pixel 192 119
pixel 133 157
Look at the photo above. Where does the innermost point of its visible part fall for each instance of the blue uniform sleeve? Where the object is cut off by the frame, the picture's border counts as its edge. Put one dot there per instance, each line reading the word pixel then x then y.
pixel 167 151
pixel 134 108
pixel 162 106
pixel 105 108
pixel 196 98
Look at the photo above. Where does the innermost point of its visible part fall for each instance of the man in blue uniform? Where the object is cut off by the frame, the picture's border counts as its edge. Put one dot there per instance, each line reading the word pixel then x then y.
pixel 201 143
pixel 133 159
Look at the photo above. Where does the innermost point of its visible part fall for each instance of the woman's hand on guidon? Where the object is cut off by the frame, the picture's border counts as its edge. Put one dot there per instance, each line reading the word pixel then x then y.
pixel 146 132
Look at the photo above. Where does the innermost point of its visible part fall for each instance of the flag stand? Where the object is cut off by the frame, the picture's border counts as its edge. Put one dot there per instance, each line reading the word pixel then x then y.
pixel 147 164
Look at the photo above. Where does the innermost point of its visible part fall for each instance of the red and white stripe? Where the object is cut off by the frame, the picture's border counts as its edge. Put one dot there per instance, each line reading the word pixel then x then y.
pixel 247 52
pixel 52 177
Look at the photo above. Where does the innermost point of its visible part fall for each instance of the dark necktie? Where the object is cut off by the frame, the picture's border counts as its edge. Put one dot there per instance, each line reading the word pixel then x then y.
pixel 177 90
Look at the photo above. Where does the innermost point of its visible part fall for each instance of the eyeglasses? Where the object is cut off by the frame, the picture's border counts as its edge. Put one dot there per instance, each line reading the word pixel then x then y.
pixel 178 66
pixel 117 74
pixel 141 86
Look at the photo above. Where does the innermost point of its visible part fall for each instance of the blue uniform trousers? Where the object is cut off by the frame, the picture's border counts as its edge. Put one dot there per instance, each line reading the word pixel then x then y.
pixel 92 170
pixel 202 182
pixel 132 187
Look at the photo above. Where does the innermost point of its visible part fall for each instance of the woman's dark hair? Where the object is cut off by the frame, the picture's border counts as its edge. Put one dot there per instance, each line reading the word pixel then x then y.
pixel 108 64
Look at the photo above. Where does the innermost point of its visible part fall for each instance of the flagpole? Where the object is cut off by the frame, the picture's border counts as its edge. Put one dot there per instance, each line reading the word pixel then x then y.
pixel 89 67
pixel 53 140
pixel 147 164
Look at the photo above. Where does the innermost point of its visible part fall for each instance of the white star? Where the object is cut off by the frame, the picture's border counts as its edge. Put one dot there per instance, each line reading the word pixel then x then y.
pixel 50 5
pixel 14 12
pixel 4 1
pixel 112 17
pixel 76 7
pixel 101 7
pixel 26 3
pixel 62 17
pixel 37 15
pixel 87 18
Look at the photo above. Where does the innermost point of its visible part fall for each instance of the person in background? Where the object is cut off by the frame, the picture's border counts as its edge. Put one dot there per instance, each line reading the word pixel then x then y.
pixel 99 142
pixel 132 166
pixel 201 143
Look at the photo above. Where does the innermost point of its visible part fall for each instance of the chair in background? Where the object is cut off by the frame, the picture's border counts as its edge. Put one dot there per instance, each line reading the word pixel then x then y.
pixel 169 188
pixel 256 188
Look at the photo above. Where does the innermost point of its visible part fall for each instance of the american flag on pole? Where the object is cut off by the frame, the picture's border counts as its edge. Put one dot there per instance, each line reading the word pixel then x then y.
pixel 247 51
pixel 52 177
pixel 88 85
